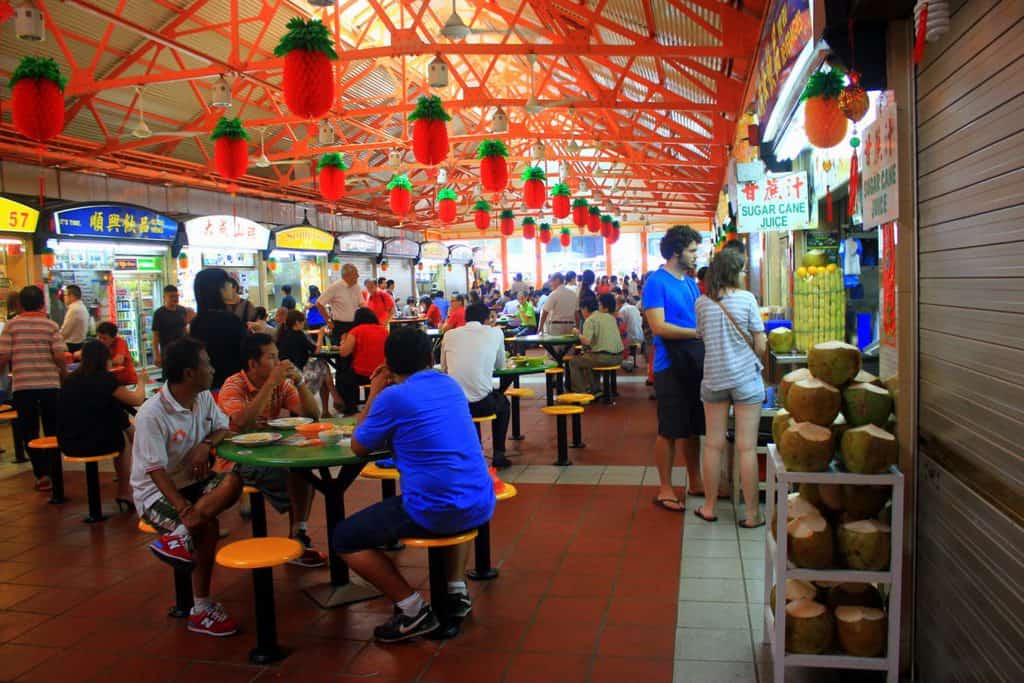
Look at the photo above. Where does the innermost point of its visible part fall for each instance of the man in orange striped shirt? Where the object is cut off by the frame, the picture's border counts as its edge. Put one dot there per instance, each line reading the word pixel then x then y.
pixel 34 348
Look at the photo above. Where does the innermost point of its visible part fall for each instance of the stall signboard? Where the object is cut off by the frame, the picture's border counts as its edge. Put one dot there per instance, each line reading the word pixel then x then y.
pixel 436 251
pixel 776 203
pixel 116 221
pixel 460 253
pixel 880 203
pixel 401 248
pixel 17 217
pixel 226 232
pixel 787 29
pixel 229 259
pixel 145 264
pixel 303 239
pixel 358 243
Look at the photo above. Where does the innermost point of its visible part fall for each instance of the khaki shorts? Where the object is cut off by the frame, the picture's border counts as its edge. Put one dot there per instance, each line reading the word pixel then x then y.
pixel 162 515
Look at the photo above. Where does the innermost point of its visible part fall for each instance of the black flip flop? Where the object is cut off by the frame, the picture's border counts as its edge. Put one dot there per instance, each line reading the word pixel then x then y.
pixel 661 502
pixel 700 513
pixel 743 524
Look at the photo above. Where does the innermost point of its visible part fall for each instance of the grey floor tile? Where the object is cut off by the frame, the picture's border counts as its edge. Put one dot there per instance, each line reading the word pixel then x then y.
pixel 753 569
pixel 651 476
pixel 539 474
pixel 751 535
pixel 719 645
pixel 623 475
pixel 712 567
pixel 511 474
pixel 755 590
pixel 581 474
pixel 700 547
pixel 752 549
pixel 712 590
pixel 691 671
pixel 721 530
pixel 717 615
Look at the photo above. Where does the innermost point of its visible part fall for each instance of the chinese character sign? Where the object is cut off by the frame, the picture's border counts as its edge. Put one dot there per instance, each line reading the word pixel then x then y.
pixel 115 221
pixel 774 204
pixel 881 182
pixel 226 232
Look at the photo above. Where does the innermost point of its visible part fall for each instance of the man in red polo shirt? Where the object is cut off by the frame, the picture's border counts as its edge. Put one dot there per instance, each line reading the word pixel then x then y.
pixel 379 301
pixel 456 313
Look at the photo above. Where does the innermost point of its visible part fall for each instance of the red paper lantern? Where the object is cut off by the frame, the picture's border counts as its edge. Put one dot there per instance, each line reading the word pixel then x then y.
pixel 332 176
pixel 230 148
pixel 606 226
pixel 182 261
pixel 37 98
pixel 429 131
pixel 13 249
pixel 400 195
pixel 594 219
pixel 481 214
pixel 384 266
pixel 272 264
pixel 308 79
pixel 49 258
pixel 560 200
pixel 824 122
pixel 446 205
pixel 579 212
pixel 493 167
pixel 614 237
pixel 529 228
pixel 565 237
pixel 507 223
pixel 534 187
pixel 545 233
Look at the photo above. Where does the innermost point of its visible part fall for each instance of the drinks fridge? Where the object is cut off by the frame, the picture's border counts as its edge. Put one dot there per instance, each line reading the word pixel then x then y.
pixel 138 295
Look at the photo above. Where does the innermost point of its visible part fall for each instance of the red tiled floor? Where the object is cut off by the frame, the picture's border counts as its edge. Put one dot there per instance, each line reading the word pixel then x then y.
pixel 404 662
pixel 13 624
pixel 452 663
pixel 16 660
pixel 633 640
pixel 529 667
pixel 622 669
pixel 72 666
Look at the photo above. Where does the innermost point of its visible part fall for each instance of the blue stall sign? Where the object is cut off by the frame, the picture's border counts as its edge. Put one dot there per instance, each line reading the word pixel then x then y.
pixel 114 221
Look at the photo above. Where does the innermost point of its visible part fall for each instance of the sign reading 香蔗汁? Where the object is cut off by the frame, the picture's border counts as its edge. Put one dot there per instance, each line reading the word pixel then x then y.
pixel 303 239
pixel 114 221
pixel 776 203
pixel 880 203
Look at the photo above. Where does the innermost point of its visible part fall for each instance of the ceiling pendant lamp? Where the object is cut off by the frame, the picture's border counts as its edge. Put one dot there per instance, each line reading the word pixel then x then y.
pixel 325 133
pixel 220 93
pixel 538 151
pixel 395 158
pixel 28 23
pixel 437 73
pixel 321 3
pixel 499 122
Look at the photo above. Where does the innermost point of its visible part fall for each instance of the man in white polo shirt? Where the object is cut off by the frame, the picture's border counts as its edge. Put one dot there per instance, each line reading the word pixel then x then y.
pixel 470 354
pixel 344 298
pixel 174 489
pixel 559 313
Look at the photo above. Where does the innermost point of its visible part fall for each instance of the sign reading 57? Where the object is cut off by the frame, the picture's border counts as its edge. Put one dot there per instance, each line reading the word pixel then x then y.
pixel 18 217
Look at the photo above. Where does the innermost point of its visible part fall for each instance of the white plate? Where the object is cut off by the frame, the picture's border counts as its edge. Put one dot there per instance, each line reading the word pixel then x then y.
pixel 256 438
pixel 288 422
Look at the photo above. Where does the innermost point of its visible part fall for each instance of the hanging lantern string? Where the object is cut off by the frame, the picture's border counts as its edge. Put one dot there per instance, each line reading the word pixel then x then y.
pixel 42 179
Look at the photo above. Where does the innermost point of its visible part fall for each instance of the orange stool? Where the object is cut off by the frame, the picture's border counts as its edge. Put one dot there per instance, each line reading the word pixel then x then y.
pixel 609 381
pixel 561 413
pixel 49 445
pixel 257 511
pixel 449 627
pixel 9 416
pixel 516 394
pixel 577 422
pixel 182 582
pixel 483 571
pixel 477 421
pixel 92 484
pixel 388 477
pixel 553 380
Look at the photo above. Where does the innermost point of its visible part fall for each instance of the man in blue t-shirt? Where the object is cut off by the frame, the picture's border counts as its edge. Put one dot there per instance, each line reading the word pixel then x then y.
pixel 441 303
pixel 669 299
pixel 446 488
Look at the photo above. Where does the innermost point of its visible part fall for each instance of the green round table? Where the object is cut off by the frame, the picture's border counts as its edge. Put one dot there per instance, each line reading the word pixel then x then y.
pixel 556 344
pixel 314 463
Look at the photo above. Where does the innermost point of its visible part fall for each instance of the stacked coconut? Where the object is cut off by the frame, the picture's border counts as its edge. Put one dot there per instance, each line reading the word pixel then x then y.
pixel 833 403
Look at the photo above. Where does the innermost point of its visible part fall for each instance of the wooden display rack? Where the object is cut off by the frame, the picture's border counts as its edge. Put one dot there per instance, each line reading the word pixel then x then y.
pixel 779 482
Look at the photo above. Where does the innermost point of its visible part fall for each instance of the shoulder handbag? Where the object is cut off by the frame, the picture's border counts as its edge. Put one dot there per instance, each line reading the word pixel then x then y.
pixel 747 338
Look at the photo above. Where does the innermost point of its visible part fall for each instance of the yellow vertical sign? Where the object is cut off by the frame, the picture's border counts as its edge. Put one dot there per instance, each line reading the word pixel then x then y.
pixel 16 217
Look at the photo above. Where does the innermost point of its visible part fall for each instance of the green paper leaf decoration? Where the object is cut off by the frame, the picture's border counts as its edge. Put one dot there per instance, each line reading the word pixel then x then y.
pixel 529 221
pixel 534 173
pixel 447 193
pixel 615 224
pixel 491 148
pixel 545 226
pixel 38 67
pixel 580 202
pixel 606 218
pixel 332 159
pixel 429 108
pixel 481 205
pixel 595 211
pixel 827 84
pixel 508 213
pixel 560 190
pixel 229 128
pixel 400 180
pixel 566 231
pixel 309 35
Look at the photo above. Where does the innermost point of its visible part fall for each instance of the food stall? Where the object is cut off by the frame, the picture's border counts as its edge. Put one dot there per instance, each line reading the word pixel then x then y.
pixel 460 268
pixel 398 263
pixel 432 269
pixel 18 223
pixel 120 255
pixel 298 257
pixel 228 242
pixel 361 250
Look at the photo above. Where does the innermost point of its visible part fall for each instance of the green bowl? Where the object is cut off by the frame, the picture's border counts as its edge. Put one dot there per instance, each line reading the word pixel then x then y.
pixel 525 362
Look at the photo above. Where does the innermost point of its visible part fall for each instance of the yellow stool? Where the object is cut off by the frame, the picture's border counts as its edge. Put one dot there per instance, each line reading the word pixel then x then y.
pixel 92 483
pixel 9 416
pixel 49 445
pixel 609 383
pixel 515 394
pixel 477 421
pixel 449 627
pixel 182 581
pixel 261 555
pixel 483 571
pixel 577 422
pixel 257 510
pixel 633 349
pixel 555 384
pixel 561 413
pixel 388 476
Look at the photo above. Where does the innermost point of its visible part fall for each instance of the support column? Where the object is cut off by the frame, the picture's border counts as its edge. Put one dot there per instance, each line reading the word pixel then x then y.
pixel 540 266
pixel 607 258
pixel 643 251
pixel 504 264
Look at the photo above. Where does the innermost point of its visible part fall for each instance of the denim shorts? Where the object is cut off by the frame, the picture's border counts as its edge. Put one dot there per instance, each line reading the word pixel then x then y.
pixel 749 392
pixel 381 524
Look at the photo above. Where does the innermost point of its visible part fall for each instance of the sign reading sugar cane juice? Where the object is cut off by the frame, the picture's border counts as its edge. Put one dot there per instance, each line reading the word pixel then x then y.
pixel 776 203
pixel 881 182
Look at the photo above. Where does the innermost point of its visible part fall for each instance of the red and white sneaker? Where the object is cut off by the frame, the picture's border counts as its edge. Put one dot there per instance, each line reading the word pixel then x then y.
pixel 173 550
pixel 213 621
